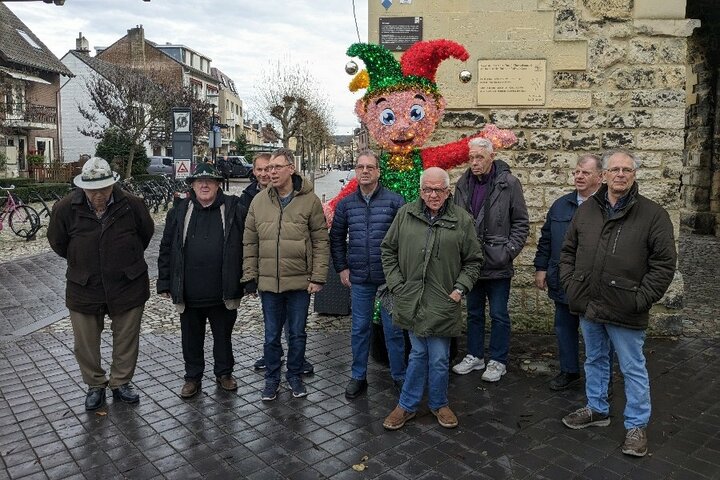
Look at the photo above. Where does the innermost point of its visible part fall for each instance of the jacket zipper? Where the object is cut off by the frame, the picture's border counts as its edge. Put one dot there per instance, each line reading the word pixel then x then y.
pixel 277 254
pixel 617 235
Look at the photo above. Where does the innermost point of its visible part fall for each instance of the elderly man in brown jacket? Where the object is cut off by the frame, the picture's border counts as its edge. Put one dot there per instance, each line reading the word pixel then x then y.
pixel 286 251
pixel 618 259
pixel 103 232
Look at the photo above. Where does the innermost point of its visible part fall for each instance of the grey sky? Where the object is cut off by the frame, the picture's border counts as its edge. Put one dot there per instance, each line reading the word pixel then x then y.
pixel 241 37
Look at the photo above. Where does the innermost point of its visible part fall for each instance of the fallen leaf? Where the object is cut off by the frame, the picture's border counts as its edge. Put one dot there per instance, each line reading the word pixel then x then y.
pixel 359 467
pixel 101 413
pixel 365 458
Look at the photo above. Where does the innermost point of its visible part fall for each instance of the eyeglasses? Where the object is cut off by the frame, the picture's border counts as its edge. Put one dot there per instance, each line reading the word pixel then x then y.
pixel 272 168
pixel 625 170
pixel 437 191
pixel 369 168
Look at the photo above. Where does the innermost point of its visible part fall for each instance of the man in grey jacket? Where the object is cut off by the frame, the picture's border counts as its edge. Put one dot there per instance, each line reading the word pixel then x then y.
pixel 494 198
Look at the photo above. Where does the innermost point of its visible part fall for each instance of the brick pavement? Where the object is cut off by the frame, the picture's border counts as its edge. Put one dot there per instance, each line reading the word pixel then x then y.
pixel 507 430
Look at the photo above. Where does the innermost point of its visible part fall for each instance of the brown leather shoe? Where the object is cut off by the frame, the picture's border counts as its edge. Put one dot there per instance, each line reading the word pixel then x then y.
pixel 227 382
pixel 190 389
pixel 397 419
pixel 445 417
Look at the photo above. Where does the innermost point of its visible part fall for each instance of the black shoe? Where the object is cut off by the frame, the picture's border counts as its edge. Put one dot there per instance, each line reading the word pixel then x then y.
pixel 307 368
pixel 564 380
pixel 95 398
pixel 126 393
pixel 355 388
pixel 259 364
pixel 398 384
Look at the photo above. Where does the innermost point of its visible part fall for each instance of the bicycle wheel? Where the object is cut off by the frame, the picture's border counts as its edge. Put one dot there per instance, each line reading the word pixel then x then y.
pixel 24 221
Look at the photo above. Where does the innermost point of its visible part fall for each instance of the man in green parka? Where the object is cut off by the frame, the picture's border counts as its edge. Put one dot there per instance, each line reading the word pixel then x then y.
pixel 431 257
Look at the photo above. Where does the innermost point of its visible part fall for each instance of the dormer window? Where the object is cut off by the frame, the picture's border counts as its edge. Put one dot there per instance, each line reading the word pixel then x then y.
pixel 29 39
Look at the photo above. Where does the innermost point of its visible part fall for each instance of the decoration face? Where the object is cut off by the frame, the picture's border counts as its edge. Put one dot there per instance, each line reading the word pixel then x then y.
pixel 401 120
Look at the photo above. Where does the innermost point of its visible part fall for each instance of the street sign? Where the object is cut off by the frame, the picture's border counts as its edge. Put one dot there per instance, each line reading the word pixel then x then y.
pixel 215 139
pixel 182 168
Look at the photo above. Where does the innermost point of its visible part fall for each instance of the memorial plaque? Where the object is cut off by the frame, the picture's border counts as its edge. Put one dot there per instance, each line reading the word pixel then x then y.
pixel 511 82
pixel 397 34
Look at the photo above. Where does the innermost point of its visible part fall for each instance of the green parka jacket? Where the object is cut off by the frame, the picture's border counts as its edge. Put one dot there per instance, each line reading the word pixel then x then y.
pixel 286 248
pixel 424 262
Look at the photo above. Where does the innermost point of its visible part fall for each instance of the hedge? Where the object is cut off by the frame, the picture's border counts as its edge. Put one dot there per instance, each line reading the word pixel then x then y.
pixel 18 182
pixel 45 190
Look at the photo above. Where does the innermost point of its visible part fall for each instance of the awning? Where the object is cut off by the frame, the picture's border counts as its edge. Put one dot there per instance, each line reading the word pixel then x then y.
pixel 23 76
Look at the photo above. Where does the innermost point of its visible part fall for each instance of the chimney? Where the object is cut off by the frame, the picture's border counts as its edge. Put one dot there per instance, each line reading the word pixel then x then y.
pixel 82 45
pixel 136 39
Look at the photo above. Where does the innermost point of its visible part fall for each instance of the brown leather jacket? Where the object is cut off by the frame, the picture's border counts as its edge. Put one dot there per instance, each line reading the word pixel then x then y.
pixel 106 270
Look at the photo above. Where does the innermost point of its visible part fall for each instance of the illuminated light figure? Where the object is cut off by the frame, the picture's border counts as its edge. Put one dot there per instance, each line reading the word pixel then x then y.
pixel 401 109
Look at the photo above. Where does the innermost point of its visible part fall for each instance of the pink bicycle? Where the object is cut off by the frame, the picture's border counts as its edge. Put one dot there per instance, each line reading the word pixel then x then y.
pixel 23 219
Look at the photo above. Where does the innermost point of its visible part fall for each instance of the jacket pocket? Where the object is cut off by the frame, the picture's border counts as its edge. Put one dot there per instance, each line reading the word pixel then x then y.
pixel 136 269
pixel 77 276
pixel 578 292
pixel 619 293
pixel 497 255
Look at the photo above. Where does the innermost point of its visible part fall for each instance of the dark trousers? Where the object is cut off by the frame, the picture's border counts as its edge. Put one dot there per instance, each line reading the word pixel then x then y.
pixel 192 327
pixel 226 183
pixel 566 330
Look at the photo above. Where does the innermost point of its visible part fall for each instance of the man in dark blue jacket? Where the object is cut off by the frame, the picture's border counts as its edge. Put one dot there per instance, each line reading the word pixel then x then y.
pixel 587 177
pixel 361 221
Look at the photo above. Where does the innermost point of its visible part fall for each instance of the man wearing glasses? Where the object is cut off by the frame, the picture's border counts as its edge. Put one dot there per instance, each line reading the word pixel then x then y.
pixel 286 253
pixel 361 221
pixel 618 259
pixel 587 178
pixel 494 198
pixel 430 256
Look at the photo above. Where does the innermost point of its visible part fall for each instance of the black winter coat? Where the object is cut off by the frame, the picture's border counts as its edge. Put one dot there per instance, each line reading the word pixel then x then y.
pixel 106 269
pixel 613 270
pixel 502 235
pixel 171 268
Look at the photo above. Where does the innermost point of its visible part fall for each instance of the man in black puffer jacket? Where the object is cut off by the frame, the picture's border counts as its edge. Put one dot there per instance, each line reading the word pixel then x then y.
pixel 199 268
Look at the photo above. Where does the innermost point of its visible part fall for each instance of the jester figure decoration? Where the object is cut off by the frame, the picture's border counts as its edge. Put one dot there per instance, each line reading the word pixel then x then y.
pixel 401 109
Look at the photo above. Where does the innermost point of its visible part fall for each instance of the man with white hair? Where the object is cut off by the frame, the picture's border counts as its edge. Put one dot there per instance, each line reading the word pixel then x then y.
pixel 430 256
pixel 103 232
pixel 494 198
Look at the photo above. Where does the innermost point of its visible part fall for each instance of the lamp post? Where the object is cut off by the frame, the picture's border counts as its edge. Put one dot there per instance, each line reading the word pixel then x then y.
pixel 212 137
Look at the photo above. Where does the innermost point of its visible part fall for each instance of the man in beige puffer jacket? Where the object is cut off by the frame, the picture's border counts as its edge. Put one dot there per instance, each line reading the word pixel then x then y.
pixel 286 252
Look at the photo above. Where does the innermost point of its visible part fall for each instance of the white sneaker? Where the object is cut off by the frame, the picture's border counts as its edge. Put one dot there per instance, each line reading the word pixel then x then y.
pixel 494 371
pixel 468 364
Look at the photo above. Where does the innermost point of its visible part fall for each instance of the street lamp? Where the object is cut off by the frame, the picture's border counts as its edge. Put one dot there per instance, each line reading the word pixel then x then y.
pixel 214 129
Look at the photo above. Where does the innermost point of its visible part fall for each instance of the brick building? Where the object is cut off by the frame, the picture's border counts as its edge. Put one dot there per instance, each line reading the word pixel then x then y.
pixel 638 74
pixel 29 84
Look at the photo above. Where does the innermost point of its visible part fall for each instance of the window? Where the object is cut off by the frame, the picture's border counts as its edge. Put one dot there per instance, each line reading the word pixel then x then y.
pixel 29 39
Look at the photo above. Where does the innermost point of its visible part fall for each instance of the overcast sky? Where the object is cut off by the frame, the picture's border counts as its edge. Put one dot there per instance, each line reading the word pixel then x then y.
pixel 241 37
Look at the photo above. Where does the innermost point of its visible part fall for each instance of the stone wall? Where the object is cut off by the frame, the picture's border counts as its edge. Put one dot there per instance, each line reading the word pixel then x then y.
pixel 616 77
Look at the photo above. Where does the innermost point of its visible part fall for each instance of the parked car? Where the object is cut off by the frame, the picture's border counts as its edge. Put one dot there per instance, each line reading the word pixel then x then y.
pixel 240 168
pixel 161 165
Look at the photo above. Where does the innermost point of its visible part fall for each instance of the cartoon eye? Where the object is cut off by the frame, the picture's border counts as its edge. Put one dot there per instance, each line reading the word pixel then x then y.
pixel 417 113
pixel 387 117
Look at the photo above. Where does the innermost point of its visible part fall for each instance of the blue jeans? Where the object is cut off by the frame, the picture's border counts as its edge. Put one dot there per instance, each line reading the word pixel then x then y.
pixel 628 345
pixel 566 330
pixel 497 293
pixel 363 306
pixel 429 359
pixel 279 308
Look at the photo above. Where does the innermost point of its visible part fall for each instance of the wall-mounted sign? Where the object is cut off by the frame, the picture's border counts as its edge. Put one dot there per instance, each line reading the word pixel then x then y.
pixel 397 34
pixel 511 82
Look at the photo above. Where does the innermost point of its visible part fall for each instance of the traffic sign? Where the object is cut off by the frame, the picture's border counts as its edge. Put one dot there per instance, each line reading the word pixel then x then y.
pixel 182 168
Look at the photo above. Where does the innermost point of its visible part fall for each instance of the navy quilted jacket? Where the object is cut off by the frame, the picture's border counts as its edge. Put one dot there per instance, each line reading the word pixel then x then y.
pixel 358 230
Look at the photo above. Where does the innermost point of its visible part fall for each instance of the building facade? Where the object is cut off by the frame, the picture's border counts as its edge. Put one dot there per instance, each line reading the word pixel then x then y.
pixel 29 84
pixel 595 75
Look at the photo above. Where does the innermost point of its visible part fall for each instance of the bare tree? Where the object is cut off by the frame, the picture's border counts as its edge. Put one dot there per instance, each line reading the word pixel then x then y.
pixel 128 101
pixel 289 95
